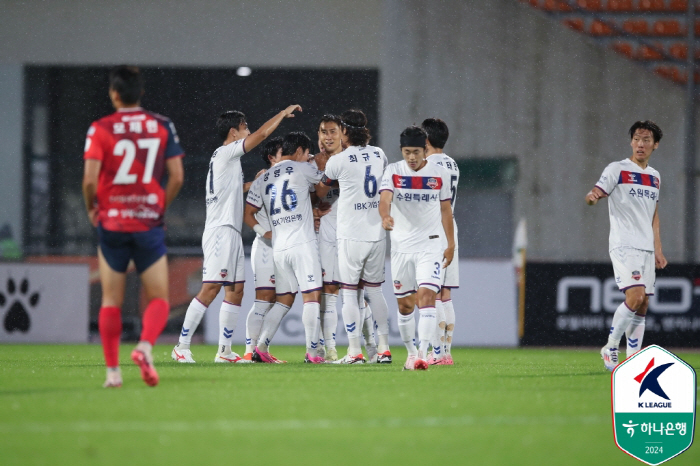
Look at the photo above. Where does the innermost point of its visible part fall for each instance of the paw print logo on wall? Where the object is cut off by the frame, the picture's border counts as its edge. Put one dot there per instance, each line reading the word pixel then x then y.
pixel 15 303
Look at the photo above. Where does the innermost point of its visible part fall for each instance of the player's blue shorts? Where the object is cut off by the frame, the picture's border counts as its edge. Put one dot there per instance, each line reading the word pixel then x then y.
pixel 144 247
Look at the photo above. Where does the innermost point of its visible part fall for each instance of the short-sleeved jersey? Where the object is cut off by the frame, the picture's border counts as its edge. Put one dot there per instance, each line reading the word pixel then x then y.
pixel 448 163
pixel 261 215
pixel 133 145
pixel 416 206
pixel 224 188
pixel 329 222
pixel 358 171
pixel 632 196
pixel 284 193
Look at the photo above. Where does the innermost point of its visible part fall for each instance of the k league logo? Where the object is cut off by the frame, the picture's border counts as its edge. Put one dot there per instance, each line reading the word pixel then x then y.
pixel 654 401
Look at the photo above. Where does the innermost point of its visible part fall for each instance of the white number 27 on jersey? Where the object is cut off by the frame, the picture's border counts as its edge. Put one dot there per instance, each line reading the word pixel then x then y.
pixel 127 148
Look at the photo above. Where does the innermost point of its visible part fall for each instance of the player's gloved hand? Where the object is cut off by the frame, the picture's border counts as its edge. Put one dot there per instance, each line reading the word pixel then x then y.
pixel 289 111
pixel 388 223
pixel 660 259
pixel 447 256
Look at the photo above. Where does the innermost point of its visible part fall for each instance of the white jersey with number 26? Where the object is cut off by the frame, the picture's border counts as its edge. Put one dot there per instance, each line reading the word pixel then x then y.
pixel 284 193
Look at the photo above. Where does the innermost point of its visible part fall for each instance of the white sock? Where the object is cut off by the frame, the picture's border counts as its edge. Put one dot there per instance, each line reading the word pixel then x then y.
pixel 311 319
pixel 439 340
pixel 351 319
pixel 253 323
pixel 426 327
pixel 407 329
pixel 195 312
pixel 635 334
pixel 270 324
pixel 228 317
pixel 449 324
pixel 380 314
pixel 367 323
pixel 329 318
pixel 622 318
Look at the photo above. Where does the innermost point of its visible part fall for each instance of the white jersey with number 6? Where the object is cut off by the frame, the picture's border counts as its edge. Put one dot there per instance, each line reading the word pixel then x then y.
pixel 359 171
pixel 284 193
pixel 224 187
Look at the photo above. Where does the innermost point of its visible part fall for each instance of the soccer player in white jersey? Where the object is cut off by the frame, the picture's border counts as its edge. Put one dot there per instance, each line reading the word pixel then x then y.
pixel 284 192
pixel 261 260
pixel 361 239
pixel 438 133
pixel 329 136
pixel 632 189
pixel 415 206
pixel 221 240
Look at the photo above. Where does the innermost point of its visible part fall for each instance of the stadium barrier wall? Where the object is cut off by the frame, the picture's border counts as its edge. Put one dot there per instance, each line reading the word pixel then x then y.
pixel 485 309
pixel 45 303
pixel 572 304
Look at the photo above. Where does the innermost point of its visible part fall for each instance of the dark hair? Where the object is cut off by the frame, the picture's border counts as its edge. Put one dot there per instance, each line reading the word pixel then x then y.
pixel 413 136
pixel 295 140
pixel 128 83
pixel 651 126
pixel 437 132
pixel 270 149
pixel 331 118
pixel 228 120
pixel 355 123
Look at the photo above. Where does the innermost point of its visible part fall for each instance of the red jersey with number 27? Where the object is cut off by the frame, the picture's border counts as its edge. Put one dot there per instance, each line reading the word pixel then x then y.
pixel 132 145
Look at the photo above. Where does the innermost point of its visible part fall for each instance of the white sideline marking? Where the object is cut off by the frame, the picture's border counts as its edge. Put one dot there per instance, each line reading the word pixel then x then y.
pixel 291 424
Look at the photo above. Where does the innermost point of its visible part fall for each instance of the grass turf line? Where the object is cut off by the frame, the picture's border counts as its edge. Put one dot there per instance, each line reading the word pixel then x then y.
pixel 495 406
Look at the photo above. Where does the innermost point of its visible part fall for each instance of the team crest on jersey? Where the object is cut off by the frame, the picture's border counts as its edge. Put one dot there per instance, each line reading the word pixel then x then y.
pixel 432 183
pixel 272 279
pixel 397 285
pixel 636 275
pixel 223 273
pixel 656 182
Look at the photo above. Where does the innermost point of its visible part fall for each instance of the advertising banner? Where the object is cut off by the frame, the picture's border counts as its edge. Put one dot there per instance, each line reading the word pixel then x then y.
pixel 573 304
pixel 44 303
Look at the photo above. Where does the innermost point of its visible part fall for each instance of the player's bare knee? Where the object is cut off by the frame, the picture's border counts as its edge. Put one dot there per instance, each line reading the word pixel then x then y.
pixel 208 293
pixel 265 295
pixel 426 297
pixel 642 311
pixel 635 298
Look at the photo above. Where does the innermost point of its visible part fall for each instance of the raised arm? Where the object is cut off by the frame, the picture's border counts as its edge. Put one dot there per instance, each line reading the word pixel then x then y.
pixel 176 178
pixel 594 195
pixel 252 141
pixel 448 225
pixel 91 176
pixel 661 261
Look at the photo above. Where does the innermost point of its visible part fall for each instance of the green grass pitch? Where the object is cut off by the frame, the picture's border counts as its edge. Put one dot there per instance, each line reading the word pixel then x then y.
pixel 493 407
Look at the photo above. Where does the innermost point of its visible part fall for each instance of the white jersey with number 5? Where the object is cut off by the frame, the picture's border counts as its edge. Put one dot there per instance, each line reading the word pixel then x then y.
pixel 358 171
pixel 632 196
pixel 416 206
pixel 284 193
pixel 224 187
pixel 448 163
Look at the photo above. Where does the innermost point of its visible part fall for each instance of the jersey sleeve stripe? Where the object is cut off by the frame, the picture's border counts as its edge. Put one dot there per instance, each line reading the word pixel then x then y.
pixel 250 203
pixel 598 186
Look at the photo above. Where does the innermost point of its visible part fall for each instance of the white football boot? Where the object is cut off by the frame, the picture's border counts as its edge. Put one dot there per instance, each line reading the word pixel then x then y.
pixel 114 378
pixel 230 358
pixel 610 357
pixel 182 355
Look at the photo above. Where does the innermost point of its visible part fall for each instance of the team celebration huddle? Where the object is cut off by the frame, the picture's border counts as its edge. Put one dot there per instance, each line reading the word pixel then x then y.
pixel 321 227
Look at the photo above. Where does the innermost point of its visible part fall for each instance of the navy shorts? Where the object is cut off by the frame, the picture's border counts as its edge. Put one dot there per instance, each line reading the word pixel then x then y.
pixel 144 247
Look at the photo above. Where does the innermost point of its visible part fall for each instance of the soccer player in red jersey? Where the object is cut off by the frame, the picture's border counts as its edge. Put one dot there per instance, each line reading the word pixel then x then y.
pixel 126 157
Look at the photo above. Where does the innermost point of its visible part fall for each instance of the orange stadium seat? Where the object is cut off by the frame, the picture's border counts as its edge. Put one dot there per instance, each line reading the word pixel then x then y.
pixel 574 23
pixel 591 5
pixel 647 53
pixel 669 27
pixel 620 5
pixel 599 28
pixel 664 71
pixel 636 26
pixel 556 5
pixel 678 5
pixel 625 48
pixel 651 5
pixel 678 75
pixel 679 51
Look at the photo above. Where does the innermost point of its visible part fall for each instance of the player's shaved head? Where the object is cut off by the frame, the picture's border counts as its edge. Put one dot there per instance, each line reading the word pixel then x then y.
pixel 437 132
pixel 127 82
pixel 294 141
pixel 270 149
pixel 227 120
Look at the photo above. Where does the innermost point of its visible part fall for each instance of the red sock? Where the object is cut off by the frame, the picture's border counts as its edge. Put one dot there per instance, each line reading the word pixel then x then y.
pixel 154 319
pixel 110 324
